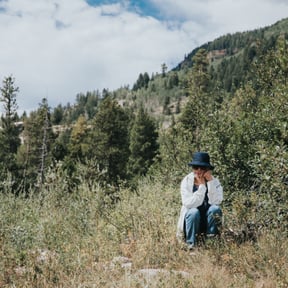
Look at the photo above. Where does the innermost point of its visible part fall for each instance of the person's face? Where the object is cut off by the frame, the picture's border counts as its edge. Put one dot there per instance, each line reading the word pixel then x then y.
pixel 199 170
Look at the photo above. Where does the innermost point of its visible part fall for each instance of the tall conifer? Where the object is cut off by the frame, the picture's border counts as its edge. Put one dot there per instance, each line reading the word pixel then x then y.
pixel 143 144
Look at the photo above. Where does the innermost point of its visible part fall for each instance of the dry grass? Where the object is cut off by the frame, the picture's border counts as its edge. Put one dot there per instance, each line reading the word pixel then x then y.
pixel 63 240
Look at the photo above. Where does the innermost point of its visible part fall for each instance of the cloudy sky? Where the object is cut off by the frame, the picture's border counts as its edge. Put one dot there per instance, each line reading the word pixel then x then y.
pixel 57 48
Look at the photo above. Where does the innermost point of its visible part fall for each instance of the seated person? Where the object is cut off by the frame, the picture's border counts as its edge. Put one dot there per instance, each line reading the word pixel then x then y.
pixel 201 195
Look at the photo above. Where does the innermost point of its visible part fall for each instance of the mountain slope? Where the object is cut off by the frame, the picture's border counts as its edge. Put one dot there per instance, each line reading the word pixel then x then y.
pixel 230 57
pixel 164 94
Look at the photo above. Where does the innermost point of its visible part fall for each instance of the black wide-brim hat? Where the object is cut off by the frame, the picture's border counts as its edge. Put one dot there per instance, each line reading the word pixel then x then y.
pixel 201 159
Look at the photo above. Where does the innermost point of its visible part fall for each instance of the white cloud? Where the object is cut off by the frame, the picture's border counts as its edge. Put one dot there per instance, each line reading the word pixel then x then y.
pixel 58 48
pixel 213 18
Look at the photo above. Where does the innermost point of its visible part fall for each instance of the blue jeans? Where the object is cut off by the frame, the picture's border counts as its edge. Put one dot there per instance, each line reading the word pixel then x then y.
pixel 193 220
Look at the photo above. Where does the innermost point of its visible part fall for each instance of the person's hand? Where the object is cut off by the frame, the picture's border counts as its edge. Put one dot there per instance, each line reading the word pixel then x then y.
pixel 200 177
pixel 208 175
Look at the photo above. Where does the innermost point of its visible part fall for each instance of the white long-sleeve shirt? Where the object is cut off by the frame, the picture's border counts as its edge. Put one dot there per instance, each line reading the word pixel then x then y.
pixel 192 199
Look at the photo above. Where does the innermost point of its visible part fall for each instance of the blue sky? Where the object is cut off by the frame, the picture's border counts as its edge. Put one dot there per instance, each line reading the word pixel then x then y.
pixel 58 48
pixel 145 8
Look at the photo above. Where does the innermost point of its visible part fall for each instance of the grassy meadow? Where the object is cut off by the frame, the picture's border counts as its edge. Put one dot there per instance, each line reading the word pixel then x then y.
pixel 65 239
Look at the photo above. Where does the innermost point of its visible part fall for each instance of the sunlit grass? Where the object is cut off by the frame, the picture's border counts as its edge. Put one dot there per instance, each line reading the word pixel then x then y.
pixel 61 239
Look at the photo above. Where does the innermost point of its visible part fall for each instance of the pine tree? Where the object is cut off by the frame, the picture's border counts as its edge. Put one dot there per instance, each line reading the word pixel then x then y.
pixel 163 69
pixel 9 130
pixel 9 134
pixel 109 143
pixel 143 144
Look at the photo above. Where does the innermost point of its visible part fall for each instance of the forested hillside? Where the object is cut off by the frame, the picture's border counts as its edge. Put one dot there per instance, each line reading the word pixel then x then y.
pixel 100 178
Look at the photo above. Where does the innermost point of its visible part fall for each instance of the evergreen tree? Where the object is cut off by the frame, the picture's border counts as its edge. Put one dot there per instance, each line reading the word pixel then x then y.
pixel 142 81
pixel 57 115
pixel 143 144
pixel 198 106
pixel 9 134
pixel 166 108
pixel 78 146
pixel 108 140
pixel 93 99
pixel 163 69
pixel 35 155
pixel 61 145
pixel 173 80
pixel 9 131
